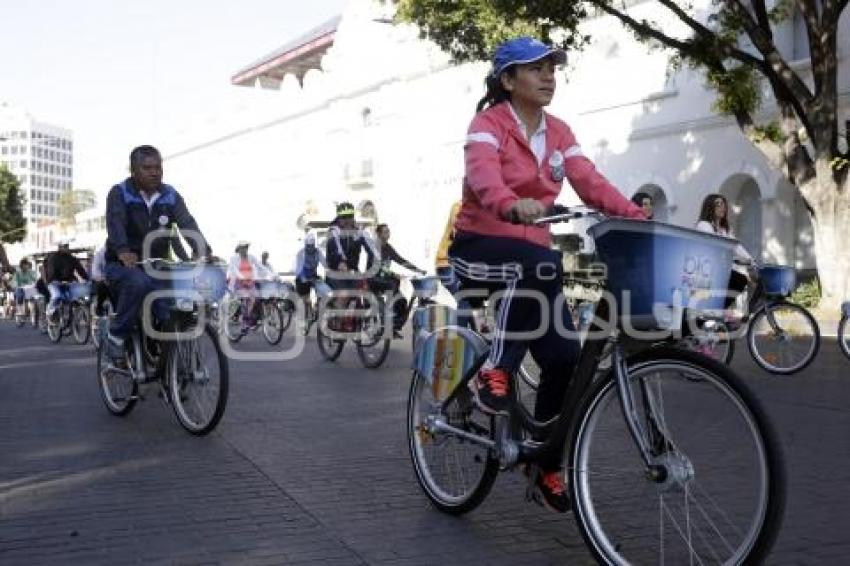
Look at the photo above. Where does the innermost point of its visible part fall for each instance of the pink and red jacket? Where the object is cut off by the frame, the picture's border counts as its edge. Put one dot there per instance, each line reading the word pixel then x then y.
pixel 501 168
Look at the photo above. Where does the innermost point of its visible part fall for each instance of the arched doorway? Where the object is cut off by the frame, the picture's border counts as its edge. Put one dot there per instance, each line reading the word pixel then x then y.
pixel 745 211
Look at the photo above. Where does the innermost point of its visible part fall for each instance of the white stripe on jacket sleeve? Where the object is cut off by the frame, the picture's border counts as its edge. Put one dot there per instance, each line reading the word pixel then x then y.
pixel 574 151
pixel 482 137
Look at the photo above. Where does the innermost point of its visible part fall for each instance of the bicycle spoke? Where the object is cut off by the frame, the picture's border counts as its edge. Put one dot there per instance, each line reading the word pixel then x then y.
pixel 706 504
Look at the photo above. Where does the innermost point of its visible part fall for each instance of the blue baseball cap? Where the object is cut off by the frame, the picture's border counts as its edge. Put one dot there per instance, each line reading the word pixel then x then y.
pixel 523 50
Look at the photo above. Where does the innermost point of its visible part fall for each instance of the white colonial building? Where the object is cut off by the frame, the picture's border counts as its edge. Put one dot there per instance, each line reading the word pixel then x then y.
pixel 364 111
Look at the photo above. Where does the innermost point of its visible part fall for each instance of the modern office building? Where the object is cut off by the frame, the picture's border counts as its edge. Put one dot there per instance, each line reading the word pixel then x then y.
pixel 41 156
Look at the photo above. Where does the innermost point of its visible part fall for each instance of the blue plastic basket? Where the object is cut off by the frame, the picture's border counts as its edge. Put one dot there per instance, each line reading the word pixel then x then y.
pixel 270 289
pixel 656 269
pixel 208 280
pixel 778 280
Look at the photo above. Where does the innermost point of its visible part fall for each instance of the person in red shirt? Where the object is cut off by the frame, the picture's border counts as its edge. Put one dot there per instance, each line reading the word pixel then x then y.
pixel 242 275
pixel 517 157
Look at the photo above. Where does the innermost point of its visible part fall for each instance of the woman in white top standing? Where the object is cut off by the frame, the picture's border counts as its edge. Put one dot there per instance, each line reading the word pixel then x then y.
pixel 714 218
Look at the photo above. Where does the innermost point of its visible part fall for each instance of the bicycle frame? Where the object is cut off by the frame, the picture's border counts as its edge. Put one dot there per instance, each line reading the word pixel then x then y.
pixel 511 451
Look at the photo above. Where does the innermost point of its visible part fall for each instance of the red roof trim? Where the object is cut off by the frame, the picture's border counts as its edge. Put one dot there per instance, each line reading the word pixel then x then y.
pixel 288 57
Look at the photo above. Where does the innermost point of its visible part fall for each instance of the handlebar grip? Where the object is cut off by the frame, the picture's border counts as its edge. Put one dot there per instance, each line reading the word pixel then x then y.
pixel 554 210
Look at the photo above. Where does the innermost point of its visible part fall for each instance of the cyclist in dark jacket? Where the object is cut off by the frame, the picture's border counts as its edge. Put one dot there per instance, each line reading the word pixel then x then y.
pixel 140 212
pixel 61 268
pixel 344 246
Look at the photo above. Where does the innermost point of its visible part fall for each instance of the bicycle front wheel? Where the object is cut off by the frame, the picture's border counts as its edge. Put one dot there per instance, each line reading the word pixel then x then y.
pixel 198 379
pixel 844 335
pixel 80 324
pixel 372 347
pixel 118 389
pixel 230 319
pixel 715 490
pixel 55 326
pixel 330 348
pixel 783 338
pixel 273 326
pixel 287 308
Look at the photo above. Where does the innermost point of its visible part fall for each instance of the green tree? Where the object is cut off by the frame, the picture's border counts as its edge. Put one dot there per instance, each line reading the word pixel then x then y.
pixel 72 202
pixel 12 223
pixel 733 43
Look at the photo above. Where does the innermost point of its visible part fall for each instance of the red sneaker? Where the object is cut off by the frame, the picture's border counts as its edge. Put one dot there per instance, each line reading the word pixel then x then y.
pixel 554 490
pixel 491 388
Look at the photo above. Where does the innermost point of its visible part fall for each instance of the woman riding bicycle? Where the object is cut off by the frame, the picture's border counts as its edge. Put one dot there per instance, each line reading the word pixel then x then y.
pixel 517 157
pixel 23 281
pixel 714 219
pixel 242 275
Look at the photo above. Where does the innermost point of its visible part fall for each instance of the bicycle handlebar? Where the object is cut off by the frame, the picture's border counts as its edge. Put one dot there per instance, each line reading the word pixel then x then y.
pixel 559 213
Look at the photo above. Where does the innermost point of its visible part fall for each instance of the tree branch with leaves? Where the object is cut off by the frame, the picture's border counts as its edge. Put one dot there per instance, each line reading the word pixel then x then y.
pixel 733 43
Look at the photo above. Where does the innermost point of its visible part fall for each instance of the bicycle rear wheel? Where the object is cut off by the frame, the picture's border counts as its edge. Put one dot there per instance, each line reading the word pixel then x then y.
pixel 783 338
pixel 715 492
pixel 198 377
pixel 454 473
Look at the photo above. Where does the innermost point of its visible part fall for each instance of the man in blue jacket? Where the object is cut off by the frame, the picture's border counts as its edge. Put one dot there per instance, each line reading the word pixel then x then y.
pixel 139 208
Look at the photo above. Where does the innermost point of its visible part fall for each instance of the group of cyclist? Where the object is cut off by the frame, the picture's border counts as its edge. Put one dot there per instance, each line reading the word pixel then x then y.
pixel 61 276
pixel 517 157
pixel 341 260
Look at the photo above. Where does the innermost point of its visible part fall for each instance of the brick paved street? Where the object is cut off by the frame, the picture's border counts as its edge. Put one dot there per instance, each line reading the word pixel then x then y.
pixel 310 466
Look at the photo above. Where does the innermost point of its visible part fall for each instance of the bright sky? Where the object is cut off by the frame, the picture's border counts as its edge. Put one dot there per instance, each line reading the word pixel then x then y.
pixel 120 73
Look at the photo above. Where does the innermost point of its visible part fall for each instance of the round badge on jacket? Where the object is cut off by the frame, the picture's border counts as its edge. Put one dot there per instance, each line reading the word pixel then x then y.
pixel 556 163
pixel 163 220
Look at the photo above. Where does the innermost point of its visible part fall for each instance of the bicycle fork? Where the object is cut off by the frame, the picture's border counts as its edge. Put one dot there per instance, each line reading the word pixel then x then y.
pixel 650 442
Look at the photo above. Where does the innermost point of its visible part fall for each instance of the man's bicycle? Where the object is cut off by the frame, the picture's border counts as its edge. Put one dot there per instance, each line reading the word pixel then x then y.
pixel 72 314
pixel 364 321
pixel 186 364
pixel 668 455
